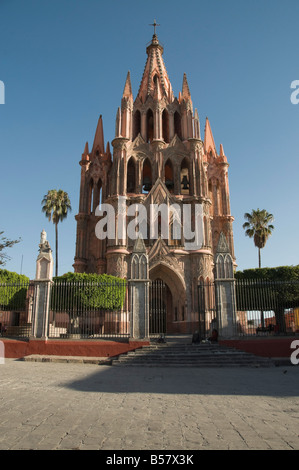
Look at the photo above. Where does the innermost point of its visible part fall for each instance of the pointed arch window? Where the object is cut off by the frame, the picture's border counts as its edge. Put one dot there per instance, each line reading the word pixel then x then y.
pixel 94 195
pixel 131 176
pixel 220 268
pixel 97 195
pixel 210 189
pixel 137 124
pixel 168 176
pixel 146 176
pixel 185 177
pixel 177 125
pixel 150 125
pixel 90 196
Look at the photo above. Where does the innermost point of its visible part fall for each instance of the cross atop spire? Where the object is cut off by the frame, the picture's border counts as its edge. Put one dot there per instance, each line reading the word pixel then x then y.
pixel 154 25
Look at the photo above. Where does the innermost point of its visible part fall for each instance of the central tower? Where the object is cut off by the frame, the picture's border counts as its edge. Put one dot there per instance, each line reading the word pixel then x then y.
pixel 158 158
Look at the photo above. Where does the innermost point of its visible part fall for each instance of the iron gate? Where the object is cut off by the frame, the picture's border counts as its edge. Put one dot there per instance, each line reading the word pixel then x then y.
pixel 207 309
pixel 157 308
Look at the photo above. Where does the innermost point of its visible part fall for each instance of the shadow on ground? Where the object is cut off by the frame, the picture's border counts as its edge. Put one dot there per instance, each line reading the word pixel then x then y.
pixel 272 382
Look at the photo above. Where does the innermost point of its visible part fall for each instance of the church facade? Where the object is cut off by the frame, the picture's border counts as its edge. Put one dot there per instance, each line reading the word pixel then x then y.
pixel 157 157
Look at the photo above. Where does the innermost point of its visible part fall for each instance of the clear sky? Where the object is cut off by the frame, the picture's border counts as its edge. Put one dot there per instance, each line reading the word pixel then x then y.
pixel 64 62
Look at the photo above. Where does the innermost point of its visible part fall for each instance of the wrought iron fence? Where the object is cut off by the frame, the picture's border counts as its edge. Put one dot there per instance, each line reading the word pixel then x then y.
pixel 266 307
pixel 16 309
pixel 81 309
pixel 101 310
pixel 263 307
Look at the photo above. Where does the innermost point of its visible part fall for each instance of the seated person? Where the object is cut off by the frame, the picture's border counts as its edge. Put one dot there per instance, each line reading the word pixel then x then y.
pixel 214 337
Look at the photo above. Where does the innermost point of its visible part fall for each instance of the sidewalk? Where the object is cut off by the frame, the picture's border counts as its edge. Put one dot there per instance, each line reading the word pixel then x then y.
pixel 88 406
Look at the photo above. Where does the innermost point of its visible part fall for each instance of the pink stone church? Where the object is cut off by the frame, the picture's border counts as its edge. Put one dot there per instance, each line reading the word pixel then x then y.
pixel 158 156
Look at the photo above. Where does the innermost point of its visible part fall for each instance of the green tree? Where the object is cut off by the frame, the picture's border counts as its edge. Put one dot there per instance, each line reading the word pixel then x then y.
pixel 5 243
pixel 56 205
pixel 13 290
pixel 258 226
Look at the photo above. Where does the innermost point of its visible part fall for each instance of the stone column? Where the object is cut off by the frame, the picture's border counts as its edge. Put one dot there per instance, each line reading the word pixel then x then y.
pixel 139 292
pixel 42 289
pixel 225 290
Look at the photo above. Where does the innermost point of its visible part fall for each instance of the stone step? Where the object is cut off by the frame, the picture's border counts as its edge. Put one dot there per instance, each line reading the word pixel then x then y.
pixel 187 356
pixel 187 352
pixel 199 365
pixel 190 355
pixel 195 361
pixel 213 357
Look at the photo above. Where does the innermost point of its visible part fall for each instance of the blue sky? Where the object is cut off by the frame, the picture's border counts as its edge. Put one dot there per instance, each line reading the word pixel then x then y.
pixel 64 62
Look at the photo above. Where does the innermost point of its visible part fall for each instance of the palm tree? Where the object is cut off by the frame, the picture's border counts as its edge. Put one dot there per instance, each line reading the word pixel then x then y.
pixel 258 227
pixel 56 205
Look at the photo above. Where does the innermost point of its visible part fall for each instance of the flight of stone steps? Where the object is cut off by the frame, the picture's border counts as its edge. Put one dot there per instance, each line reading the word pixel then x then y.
pixel 182 354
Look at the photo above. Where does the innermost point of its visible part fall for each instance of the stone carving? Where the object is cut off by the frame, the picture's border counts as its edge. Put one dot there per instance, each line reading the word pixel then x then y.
pixel 44 246
pixel 222 244
pixel 43 237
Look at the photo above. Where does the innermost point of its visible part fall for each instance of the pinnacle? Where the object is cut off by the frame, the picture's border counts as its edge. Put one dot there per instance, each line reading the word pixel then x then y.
pixel 185 89
pixel 128 87
pixel 99 137
pixel 209 143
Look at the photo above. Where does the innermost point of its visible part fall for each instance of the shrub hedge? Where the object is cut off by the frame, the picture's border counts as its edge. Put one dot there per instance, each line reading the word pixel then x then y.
pixel 78 292
pixel 13 290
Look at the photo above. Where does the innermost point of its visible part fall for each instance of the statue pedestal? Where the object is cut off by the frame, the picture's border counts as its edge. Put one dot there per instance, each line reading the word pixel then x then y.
pixel 42 289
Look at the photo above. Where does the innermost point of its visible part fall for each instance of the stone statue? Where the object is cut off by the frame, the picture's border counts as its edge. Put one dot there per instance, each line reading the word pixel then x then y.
pixel 44 244
pixel 43 237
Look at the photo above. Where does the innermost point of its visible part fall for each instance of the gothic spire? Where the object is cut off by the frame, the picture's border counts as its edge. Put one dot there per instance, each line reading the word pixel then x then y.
pixel 209 144
pixel 86 149
pixel 98 142
pixel 185 89
pixel 128 87
pixel 155 71
pixel 221 154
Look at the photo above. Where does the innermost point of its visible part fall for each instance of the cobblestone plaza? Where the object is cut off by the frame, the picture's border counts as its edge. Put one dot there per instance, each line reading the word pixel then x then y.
pixel 51 406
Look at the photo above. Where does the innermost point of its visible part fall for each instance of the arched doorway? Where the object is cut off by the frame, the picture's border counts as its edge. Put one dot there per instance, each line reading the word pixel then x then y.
pixel 167 301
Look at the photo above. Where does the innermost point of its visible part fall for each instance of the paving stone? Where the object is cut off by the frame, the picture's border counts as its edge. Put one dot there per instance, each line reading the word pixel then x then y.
pixel 48 405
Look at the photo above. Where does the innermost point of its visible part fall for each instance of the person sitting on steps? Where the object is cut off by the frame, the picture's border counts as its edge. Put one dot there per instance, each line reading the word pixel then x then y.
pixel 214 337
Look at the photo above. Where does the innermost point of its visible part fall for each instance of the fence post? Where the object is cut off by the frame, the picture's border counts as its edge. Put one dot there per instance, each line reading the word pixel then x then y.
pixel 139 292
pixel 225 289
pixel 42 289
